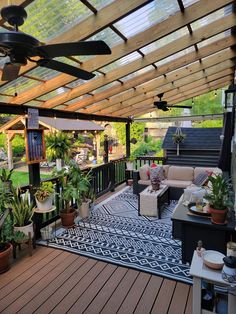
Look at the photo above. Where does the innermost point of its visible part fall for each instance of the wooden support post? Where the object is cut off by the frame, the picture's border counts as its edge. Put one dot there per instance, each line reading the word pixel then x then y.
pixel 10 137
pixel 127 139
pixel 97 139
pixel 105 156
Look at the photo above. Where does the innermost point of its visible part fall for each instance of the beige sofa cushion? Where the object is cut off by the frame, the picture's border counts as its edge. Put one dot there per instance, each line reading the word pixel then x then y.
pixel 165 170
pixel 180 173
pixel 144 182
pixel 143 172
pixel 199 170
pixel 177 183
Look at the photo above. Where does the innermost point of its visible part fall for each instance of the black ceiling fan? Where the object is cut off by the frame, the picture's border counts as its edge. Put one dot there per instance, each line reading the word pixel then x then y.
pixel 162 104
pixel 20 47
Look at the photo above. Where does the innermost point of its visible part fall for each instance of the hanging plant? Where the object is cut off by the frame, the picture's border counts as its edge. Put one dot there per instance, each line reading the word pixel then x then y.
pixel 178 137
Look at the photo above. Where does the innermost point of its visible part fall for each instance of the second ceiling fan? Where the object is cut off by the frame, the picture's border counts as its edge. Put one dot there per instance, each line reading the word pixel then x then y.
pixel 163 105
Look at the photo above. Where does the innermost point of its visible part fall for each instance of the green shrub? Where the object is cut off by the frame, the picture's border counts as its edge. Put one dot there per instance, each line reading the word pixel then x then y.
pixel 18 145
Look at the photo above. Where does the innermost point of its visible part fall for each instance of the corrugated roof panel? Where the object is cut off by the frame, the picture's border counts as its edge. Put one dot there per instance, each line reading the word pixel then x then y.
pixel 72 101
pixel 150 14
pixel 175 56
pixel 19 85
pixel 53 93
pixel 43 73
pixel 213 39
pixel 48 19
pixel 211 17
pixel 187 3
pixel 102 88
pixel 99 4
pixel 136 73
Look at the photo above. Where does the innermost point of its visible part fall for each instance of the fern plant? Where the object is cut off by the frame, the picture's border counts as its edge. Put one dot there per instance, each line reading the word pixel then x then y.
pixel 22 208
pixel 58 145
pixel 5 174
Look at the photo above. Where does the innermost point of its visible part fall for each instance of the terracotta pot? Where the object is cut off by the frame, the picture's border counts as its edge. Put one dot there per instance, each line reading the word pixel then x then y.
pixel 67 219
pixel 218 216
pixel 5 258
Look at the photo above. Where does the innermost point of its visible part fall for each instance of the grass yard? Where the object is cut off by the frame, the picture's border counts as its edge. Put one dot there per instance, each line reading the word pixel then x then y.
pixel 22 178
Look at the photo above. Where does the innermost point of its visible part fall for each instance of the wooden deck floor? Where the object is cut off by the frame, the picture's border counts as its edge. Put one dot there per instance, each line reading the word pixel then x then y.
pixel 54 281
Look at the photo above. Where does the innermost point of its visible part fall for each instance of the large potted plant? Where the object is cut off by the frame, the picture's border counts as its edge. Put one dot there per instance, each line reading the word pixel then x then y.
pixel 22 209
pixel 58 147
pixel 6 230
pixel 5 177
pixel 44 196
pixel 219 197
pixel 67 210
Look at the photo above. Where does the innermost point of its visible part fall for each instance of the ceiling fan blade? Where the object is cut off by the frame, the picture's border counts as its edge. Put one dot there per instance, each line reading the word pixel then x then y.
pixel 65 68
pixel 98 47
pixel 10 72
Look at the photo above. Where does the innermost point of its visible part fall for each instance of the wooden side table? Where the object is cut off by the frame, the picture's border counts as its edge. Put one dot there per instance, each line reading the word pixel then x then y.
pixel 199 271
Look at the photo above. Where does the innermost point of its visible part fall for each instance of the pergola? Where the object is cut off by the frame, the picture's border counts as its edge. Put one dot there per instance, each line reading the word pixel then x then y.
pixel 183 48
pixel 17 126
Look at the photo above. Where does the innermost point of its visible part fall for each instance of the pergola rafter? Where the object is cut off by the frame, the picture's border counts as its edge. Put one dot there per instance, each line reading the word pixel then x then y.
pixel 172 76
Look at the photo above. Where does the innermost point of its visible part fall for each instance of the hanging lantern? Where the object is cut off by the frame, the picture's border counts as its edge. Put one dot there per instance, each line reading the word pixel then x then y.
pixel 230 96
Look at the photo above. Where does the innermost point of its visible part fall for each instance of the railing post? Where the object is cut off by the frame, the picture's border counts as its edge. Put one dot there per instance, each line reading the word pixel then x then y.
pixel 105 154
pixel 127 139
pixel 112 176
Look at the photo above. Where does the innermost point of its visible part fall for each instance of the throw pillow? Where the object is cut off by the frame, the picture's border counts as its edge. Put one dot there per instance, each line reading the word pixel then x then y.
pixel 143 172
pixel 152 166
pixel 157 172
pixel 201 179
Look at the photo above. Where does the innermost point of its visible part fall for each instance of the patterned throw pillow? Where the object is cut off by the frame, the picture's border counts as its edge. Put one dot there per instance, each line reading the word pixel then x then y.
pixel 158 173
pixel 201 179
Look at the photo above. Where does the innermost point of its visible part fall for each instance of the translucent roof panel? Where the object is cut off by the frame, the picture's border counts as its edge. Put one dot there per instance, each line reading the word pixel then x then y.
pixel 72 101
pixel 165 40
pixel 213 39
pixel 120 62
pixel 48 19
pixel 212 17
pixel 53 93
pixel 150 14
pixel 42 73
pixel 19 85
pixel 187 3
pixel 4 98
pixel 102 88
pixel 136 73
pixel 99 4
pixel 175 56
pixel 109 36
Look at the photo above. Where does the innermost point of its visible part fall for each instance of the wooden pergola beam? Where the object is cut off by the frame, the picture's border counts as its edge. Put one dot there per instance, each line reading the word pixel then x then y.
pixel 128 88
pixel 184 42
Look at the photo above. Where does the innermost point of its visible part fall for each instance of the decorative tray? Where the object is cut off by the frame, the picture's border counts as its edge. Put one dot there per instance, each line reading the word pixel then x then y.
pixel 193 209
pixel 213 259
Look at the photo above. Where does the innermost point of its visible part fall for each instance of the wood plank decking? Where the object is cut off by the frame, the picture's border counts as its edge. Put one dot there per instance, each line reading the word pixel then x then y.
pixel 54 281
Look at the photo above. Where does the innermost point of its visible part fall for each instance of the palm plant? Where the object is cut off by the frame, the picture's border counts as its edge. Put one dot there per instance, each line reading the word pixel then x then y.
pixel 219 194
pixel 58 145
pixel 5 174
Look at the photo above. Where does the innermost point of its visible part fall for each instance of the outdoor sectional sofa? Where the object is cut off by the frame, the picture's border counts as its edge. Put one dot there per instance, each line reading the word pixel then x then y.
pixel 176 177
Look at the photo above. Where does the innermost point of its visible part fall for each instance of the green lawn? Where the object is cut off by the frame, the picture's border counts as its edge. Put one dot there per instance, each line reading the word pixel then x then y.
pixel 22 178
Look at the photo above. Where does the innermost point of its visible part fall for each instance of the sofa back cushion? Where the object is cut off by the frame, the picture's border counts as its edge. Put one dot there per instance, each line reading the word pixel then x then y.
pixel 180 173
pixel 199 170
pixel 143 172
pixel 165 170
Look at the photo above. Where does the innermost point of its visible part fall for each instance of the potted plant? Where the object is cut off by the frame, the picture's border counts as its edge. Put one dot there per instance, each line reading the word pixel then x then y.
pixel 130 163
pixel 58 147
pixel 219 197
pixel 6 230
pixel 67 211
pixel 178 138
pixel 5 177
pixel 22 209
pixel 44 196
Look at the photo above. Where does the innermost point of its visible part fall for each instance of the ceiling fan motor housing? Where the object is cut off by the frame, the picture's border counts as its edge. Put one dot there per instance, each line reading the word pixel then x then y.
pixel 13 14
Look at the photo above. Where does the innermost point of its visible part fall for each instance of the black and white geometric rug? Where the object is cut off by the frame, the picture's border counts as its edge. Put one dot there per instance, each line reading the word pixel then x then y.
pixel 115 233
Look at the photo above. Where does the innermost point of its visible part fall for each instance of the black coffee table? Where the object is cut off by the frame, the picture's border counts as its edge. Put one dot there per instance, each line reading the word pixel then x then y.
pixel 192 228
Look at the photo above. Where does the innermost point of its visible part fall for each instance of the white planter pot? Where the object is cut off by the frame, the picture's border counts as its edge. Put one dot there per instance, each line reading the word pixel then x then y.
pixel 46 204
pixel 25 229
pixel 129 165
pixel 84 210
pixel 46 233
pixel 58 164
